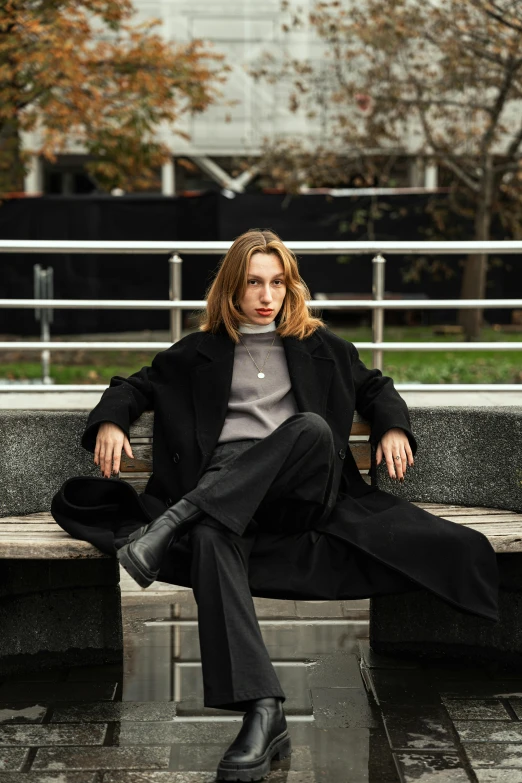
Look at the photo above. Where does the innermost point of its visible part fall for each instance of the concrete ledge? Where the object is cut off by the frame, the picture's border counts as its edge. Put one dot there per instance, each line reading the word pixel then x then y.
pixel 467 456
pixel 59 613
pixel 472 457
pixel 40 450
pixel 421 625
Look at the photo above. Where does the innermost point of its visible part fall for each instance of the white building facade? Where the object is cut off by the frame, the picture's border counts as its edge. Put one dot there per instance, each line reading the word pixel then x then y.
pixel 250 112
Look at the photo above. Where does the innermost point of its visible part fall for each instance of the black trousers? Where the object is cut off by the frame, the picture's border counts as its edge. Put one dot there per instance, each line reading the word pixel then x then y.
pixel 282 481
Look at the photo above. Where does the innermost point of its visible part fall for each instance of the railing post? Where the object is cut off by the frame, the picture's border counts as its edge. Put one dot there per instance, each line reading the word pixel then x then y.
pixel 378 272
pixel 43 289
pixel 175 262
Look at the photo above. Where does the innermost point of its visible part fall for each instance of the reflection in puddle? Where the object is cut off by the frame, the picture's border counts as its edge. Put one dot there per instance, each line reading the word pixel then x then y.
pixel 163 654
pixel 162 664
pixel 146 723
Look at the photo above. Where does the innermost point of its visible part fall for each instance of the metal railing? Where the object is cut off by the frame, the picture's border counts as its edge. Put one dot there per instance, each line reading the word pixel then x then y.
pixel 175 304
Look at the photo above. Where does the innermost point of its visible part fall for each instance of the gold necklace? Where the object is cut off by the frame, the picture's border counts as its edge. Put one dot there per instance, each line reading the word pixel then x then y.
pixel 260 373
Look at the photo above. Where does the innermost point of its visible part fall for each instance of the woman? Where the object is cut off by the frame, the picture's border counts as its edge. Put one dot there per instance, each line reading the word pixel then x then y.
pixel 251 460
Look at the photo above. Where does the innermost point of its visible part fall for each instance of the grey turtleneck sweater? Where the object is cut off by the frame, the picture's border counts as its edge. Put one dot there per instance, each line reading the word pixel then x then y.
pixel 257 406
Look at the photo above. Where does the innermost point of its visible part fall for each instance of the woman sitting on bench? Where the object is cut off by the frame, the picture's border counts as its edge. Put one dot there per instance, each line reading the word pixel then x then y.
pixel 253 414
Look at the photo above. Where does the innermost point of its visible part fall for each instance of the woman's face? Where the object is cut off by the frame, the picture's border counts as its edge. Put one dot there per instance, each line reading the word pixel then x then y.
pixel 265 289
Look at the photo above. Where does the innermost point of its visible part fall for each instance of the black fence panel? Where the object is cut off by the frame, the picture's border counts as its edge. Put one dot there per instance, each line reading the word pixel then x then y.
pixel 211 216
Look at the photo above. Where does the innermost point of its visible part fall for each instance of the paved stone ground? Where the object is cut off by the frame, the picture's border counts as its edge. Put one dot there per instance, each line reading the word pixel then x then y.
pixel 354 717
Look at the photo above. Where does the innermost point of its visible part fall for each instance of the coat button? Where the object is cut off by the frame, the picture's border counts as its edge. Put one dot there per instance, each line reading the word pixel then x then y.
pixel 342 453
pixel 175 458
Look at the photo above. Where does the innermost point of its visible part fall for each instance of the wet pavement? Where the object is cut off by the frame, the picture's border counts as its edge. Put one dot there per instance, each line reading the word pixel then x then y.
pixel 354 716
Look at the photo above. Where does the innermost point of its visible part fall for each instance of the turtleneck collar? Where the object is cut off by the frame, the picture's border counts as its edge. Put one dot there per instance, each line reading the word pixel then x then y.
pixel 257 328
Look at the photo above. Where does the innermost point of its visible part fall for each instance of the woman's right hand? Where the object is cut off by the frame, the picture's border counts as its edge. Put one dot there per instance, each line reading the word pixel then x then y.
pixel 109 443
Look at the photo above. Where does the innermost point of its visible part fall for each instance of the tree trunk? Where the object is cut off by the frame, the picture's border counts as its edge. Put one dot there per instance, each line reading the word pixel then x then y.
pixel 476 266
pixel 12 168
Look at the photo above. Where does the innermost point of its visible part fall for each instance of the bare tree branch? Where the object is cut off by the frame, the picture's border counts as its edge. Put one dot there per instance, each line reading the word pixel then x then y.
pixel 460 173
pixel 504 168
pixel 515 144
pixel 498 107
pixel 443 157
pixel 499 14
pixel 480 52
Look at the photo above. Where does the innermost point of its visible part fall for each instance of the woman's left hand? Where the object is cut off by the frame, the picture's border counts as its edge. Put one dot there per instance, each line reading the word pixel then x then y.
pixel 395 447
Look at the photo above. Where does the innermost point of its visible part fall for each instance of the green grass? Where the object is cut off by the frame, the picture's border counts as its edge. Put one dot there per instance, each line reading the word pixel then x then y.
pixel 98 372
pixel 404 366
pixel 443 366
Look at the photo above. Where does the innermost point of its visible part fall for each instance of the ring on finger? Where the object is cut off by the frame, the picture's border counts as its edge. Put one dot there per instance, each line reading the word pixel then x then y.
pixel 397 457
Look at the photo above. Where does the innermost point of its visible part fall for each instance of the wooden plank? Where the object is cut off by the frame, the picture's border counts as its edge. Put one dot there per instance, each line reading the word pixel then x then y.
pixel 143 427
pixel 13 522
pixel 34 517
pixel 495 533
pixel 142 462
pixel 362 455
pixel 44 520
pixel 438 509
pixel 483 521
pixel 506 543
pixel 360 428
pixel 50 549
pixel 502 528
pixel 39 536
pixel 498 533
pixel 30 537
pixel 42 524
pixel 138 481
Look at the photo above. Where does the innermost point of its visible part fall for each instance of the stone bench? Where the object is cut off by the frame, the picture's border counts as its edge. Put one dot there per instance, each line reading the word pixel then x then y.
pixel 60 598
pixel 468 457
pixel 60 602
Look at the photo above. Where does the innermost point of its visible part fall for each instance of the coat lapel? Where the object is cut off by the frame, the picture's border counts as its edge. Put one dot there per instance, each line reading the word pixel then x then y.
pixel 211 383
pixel 310 367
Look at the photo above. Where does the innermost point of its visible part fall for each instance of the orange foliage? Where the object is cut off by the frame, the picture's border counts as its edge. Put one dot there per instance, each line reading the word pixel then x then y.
pixel 83 74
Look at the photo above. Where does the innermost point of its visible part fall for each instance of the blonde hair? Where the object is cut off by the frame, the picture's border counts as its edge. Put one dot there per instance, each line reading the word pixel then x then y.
pixel 229 285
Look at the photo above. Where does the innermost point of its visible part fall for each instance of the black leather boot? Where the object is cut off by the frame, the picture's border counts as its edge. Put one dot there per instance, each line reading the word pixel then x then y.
pixel 141 556
pixel 263 737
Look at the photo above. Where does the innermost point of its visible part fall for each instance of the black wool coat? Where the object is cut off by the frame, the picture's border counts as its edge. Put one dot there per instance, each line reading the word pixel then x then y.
pixel 372 542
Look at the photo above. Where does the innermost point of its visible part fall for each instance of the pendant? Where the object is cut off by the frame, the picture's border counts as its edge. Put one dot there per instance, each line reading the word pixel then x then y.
pixel 260 374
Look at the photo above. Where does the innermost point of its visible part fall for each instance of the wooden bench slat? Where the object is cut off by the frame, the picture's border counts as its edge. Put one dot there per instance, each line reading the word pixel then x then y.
pixel 51 549
pixel 38 536
pixel 505 542
pixel 136 480
pixel 360 428
pixel 143 427
pixel 40 516
pixel 439 508
pixel 499 535
pixel 49 530
pixel 142 462
pixel 482 521
pixel 17 525
pixel 14 524
pixel 20 535
pixel 42 525
pixel 362 455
